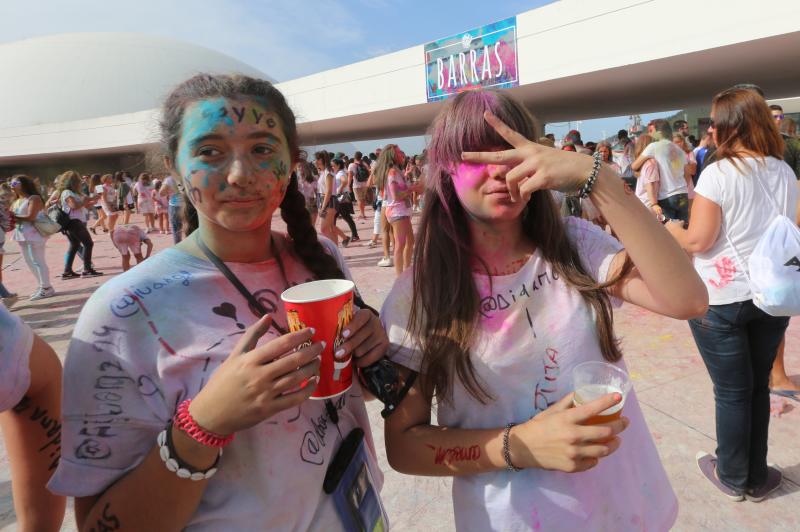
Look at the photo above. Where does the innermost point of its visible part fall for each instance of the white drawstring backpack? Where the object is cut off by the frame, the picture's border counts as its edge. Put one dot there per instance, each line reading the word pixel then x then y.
pixel 773 271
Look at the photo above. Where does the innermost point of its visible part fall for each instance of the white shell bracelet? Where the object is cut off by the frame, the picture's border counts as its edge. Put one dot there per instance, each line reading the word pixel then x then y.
pixel 175 464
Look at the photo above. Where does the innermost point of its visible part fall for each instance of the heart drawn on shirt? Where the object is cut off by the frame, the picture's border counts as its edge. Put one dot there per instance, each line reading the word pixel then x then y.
pixel 227 310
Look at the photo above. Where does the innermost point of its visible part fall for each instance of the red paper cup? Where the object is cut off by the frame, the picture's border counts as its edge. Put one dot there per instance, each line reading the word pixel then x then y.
pixel 327 306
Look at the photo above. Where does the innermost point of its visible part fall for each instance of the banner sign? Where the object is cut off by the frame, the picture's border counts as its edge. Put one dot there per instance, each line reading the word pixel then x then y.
pixel 483 57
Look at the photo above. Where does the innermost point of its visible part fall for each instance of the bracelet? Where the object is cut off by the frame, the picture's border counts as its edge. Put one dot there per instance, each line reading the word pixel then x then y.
pixel 166 450
pixel 586 189
pixel 506 451
pixel 184 421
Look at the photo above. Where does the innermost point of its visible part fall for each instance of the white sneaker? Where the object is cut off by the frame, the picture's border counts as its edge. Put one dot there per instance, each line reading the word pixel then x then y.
pixel 385 262
pixel 43 293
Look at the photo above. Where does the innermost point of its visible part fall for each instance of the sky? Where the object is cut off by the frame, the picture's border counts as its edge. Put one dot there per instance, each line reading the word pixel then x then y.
pixel 285 39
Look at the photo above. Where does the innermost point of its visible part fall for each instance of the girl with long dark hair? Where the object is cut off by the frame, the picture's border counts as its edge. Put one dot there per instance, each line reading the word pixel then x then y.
pixel 503 300
pixel 344 207
pixel 173 335
pixel 737 197
pixel 28 206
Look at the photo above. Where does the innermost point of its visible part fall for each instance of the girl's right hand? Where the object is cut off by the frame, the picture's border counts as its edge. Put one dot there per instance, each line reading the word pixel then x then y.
pixel 255 383
pixel 559 438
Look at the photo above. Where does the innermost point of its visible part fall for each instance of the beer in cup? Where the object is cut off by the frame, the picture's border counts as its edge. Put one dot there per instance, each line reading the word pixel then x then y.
pixel 593 380
pixel 327 306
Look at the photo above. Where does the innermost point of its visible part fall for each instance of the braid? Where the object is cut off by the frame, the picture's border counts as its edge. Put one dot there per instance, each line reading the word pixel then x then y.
pixel 306 244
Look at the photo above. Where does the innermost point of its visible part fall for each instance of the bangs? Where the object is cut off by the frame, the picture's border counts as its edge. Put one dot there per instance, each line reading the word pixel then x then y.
pixel 461 126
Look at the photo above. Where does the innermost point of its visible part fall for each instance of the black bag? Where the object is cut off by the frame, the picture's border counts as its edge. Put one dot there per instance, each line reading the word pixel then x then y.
pixel 362 174
pixel 57 214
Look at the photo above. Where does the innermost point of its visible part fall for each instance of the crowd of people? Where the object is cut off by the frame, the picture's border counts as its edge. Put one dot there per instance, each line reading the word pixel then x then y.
pixel 171 359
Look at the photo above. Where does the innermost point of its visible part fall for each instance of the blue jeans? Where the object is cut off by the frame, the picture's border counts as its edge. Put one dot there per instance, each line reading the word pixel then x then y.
pixel 738 343
pixel 176 221
pixel 675 207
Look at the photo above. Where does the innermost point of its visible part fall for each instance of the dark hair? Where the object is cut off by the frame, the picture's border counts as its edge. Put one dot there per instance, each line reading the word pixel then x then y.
pixel 622 134
pixel 663 127
pixel 358 156
pixel 750 87
pixel 305 243
pixel 741 117
pixel 776 107
pixel 26 184
pixel 323 156
pixel 677 124
pixel 444 315
pixel 338 162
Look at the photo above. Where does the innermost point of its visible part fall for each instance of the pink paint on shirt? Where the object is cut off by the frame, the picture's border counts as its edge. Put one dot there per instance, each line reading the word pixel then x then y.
pixel 726 269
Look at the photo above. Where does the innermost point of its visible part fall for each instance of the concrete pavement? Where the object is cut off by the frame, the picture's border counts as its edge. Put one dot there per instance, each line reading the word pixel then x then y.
pixel 671 382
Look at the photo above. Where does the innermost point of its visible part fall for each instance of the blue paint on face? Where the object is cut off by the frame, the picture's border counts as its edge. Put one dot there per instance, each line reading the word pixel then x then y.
pixel 202 118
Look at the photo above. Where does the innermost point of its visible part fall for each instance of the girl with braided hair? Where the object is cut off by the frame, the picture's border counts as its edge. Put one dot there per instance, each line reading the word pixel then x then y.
pixel 173 336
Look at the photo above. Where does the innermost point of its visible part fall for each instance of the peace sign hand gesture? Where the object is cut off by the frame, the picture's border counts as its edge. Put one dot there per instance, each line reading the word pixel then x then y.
pixel 535 167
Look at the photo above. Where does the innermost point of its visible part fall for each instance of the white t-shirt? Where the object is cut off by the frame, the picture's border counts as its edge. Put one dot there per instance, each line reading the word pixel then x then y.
pixel 671 161
pixel 74 214
pixel 25 231
pixel 322 183
pixel 746 214
pixel 173 193
pixel 532 331
pixel 649 174
pixel 16 341
pixel 136 353
pixel 339 178
pixel 353 169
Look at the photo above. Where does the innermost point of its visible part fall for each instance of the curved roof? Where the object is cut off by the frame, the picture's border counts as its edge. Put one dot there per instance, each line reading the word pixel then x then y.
pixel 61 78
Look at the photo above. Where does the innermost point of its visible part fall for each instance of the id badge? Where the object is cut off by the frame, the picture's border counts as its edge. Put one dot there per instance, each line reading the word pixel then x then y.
pixel 350 483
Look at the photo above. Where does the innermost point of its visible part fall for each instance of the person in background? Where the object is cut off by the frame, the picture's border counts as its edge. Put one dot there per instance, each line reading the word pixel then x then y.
pixel 30 420
pixel 649 179
pixel 26 208
pixel 6 225
pixel 144 201
pixel 780 383
pixel 703 154
pixel 171 191
pixel 397 203
pixel 622 153
pixel 307 184
pixel 690 163
pixel 358 174
pixel 735 203
pixel 75 205
pixel 673 190
pixel 97 190
pixel 128 240
pixel 161 206
pixel 130 200
pixel 681 127
pixel 413 174
pixel 124 196
pixel 344 205
pixel 381 228
pixel 328 202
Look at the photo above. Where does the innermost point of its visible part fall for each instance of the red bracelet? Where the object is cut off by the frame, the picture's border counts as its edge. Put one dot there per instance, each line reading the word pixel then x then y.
pixel 184 421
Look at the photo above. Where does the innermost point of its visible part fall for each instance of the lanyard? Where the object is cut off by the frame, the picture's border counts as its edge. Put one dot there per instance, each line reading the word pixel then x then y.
pixel 255 303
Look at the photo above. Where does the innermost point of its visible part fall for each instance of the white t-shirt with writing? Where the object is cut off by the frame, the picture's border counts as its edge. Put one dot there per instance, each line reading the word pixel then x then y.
pixel 532 331
pixel 671 162
pixel 152 337
pixel 16 341
pixel 746 213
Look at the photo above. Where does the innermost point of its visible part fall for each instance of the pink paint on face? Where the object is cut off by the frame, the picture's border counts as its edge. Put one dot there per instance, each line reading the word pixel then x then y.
pixel 482 191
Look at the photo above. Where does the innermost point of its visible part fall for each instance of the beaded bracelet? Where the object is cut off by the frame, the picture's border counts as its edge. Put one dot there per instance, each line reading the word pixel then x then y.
pixel 166 450
pixel 586 189
pixel 184 421
pixel 506 451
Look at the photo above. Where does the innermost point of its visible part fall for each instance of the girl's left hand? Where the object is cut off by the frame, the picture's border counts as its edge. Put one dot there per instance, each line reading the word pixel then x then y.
pixel 535 167
pixel 366 339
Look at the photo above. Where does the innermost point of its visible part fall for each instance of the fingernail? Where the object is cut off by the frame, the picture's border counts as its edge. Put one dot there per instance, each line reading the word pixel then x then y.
pixel 313 331
pixel 323 344
pixel 346 333
pixel 618 397
pixel 340 352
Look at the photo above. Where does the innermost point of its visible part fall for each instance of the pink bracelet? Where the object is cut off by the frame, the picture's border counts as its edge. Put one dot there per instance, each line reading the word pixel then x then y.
pixel 184 421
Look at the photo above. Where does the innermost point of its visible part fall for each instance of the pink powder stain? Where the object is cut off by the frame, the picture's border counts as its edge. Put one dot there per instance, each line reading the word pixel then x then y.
pixel 469 176
pixel 535 523
pixel 726 269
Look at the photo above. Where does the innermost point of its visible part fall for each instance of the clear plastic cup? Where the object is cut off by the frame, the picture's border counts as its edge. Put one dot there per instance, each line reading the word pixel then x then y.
pixel 593 380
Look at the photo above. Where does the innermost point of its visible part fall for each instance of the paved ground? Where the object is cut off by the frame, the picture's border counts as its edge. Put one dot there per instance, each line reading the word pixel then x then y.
pixel 672 384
